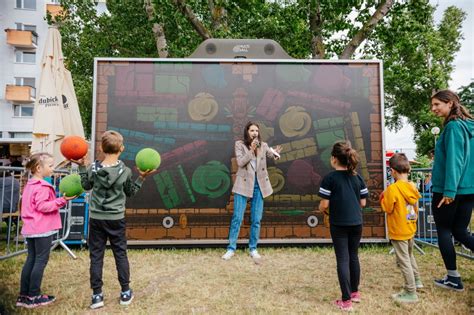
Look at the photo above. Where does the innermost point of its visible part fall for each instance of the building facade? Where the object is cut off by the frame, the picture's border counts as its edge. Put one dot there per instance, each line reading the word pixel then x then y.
pixel 21 48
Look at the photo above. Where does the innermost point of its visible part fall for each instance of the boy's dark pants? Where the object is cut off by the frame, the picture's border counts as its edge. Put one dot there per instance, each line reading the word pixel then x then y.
pixel 33 269
pixel 346 240
pixel 99 232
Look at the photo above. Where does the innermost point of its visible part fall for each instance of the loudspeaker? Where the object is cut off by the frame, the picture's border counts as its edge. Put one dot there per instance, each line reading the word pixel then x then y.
pixel 79 222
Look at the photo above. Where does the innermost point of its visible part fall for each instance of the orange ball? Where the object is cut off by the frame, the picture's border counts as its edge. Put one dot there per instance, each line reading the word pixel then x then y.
pixel 74 147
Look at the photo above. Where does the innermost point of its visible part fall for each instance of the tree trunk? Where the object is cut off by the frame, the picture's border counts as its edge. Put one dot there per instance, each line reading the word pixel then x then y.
pixel 158 31
pixel 189 14
pixel 366 29
pixel 316 26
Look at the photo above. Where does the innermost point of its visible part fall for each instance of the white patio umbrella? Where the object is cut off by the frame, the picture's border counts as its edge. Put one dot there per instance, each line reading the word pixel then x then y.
pixel 56 112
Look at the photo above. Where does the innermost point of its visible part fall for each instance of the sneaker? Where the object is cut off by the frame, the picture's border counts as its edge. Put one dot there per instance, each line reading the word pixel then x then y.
pixel 405 297
pixel 451 283
pixel 126 297
pixel 97 301
pixel 419 284
pixel 355 297
pixel 22 301
pixel 344 305
pixel 255 255
pixel 228 254
pixel 40 300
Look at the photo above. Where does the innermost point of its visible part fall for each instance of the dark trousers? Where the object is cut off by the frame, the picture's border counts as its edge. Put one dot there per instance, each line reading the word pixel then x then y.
pixel 346 240
pixel 114 231
pixel 452 221
pixel 33 269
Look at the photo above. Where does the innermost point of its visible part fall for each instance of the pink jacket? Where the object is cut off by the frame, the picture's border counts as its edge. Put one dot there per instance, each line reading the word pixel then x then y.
pixel 40 208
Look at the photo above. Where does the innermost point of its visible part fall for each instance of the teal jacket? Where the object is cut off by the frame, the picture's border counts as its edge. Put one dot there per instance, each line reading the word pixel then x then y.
pixel 453 169
pixel 110 187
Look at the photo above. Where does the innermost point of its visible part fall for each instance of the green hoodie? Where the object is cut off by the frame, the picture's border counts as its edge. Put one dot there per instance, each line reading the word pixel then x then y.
pixel 110 186
pixel 453 169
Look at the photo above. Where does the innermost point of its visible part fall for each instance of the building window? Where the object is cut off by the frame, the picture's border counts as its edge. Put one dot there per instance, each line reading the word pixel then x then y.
pixel 25 82
pixel 26 4
pixel 21 135
pixel 25 56
pixel 25 27
pixel 22 110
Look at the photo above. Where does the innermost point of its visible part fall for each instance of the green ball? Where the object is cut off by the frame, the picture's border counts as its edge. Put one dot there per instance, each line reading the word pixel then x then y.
pixel 70 185
pixel 147 159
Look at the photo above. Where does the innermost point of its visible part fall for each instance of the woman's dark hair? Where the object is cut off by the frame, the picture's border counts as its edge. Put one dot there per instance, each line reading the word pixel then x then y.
pixel 346 155
pixel 247 139
pixel 457 111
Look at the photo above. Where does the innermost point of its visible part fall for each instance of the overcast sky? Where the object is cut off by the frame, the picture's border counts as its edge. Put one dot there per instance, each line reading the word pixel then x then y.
pixel 462 75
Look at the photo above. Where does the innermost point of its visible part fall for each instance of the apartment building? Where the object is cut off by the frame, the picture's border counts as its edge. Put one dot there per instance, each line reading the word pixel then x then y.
pixel 21 48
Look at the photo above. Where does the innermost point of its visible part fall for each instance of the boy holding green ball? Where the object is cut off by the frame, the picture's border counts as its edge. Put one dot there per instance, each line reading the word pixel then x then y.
pixel 111 182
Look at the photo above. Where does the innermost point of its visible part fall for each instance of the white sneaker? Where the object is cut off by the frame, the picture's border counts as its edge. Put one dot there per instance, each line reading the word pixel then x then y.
pixel 255 255
pixel 228 254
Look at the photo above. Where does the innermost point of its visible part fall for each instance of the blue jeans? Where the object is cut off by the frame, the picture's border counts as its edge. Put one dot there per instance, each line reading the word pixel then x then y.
pixel 256 212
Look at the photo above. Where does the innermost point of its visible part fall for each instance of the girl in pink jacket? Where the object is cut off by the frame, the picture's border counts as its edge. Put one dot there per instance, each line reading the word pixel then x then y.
pixel 41 220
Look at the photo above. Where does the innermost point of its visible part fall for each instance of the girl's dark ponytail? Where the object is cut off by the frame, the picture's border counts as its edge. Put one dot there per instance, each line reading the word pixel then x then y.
pixel 346 155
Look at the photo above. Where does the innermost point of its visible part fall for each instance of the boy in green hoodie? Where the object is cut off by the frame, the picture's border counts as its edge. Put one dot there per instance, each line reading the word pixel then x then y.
pixel 111 182
pixel 399 201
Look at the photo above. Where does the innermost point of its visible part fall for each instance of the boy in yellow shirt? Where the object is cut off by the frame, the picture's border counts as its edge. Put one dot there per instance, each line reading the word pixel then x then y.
pixel 399 201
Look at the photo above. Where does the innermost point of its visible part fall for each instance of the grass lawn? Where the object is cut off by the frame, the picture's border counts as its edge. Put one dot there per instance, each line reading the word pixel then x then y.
pixel 190 281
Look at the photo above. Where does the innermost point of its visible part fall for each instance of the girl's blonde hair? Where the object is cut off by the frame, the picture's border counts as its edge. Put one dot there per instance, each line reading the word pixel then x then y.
pixel 35 160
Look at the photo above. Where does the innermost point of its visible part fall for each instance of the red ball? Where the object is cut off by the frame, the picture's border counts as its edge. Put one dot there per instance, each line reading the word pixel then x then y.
pixel 74 147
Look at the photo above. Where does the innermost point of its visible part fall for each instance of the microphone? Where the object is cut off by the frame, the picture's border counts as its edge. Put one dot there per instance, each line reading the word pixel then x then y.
pixel 256 141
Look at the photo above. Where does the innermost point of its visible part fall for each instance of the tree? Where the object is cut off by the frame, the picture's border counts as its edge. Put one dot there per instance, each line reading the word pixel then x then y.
pixel 418 60
pixel 400 33
pixel 466 94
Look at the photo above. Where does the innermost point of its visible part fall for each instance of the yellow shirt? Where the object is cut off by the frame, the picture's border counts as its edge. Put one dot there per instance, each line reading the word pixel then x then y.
pixel 399 201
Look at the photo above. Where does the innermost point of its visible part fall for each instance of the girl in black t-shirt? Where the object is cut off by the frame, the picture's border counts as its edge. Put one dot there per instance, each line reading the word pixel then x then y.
pixel 345 192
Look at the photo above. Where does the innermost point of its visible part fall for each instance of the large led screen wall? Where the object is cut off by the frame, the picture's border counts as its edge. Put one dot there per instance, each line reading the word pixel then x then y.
pixel 192 111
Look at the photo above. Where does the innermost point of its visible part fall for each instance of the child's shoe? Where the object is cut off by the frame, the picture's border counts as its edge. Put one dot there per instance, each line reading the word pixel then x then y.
pixel 344 305
pixel 451 283
pixel 126 297
pixel 22 301
pixel 97 301
pixel 355 297
pixel 405 297
pixel 418 283
pixel 40 300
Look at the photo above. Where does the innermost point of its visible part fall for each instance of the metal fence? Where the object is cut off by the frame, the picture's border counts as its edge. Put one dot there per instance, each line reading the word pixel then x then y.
pixel 426 231
pixel 12 181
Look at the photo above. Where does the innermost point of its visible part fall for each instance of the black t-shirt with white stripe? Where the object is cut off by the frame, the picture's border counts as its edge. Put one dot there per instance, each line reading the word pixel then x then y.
pixel 344 192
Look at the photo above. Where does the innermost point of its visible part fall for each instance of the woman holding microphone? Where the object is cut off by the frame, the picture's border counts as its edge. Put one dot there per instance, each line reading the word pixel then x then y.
pixel 251 182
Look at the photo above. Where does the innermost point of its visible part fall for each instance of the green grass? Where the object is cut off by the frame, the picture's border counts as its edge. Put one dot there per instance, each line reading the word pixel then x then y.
pixel 289 280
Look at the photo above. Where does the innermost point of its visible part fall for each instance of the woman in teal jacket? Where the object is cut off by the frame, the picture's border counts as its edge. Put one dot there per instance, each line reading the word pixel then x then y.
pixel 453 182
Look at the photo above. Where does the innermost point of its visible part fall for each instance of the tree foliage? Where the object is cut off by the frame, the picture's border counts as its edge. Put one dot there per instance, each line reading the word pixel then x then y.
pixel 416 58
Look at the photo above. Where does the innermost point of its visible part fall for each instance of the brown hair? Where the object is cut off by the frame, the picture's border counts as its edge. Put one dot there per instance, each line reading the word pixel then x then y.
pixel 457 111
pixel 112 142
pixel 400 163
pixel 35 160
pixel 346 155
pixel 247 139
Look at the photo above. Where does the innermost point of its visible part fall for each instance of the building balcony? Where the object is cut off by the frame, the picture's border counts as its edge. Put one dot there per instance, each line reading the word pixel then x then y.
pixel 54 10
pixel 20 94
pixel 22 39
